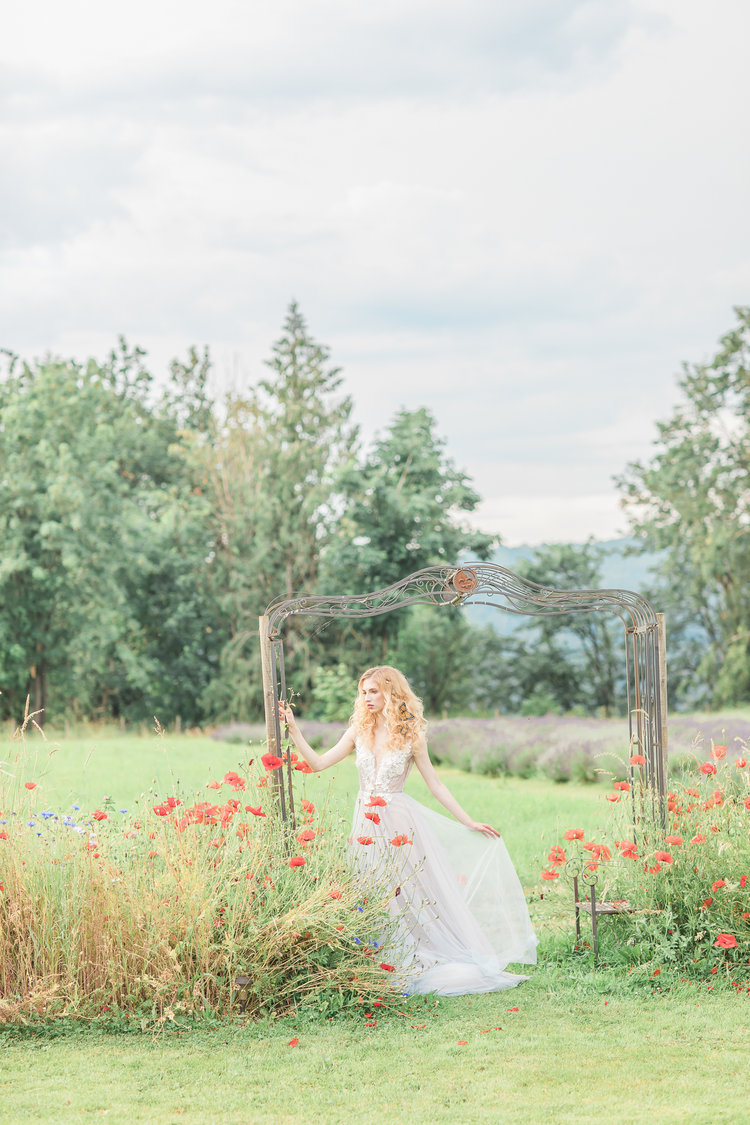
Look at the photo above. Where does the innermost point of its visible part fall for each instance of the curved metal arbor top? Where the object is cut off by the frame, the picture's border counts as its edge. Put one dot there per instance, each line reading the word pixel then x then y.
pixel 492 585
pixel 472 584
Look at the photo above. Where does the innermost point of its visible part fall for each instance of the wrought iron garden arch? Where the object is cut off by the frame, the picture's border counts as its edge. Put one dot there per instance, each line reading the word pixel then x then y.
pixel 492 585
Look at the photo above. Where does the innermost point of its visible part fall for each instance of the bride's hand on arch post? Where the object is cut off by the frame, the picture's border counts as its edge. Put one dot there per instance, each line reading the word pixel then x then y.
pixel 286 715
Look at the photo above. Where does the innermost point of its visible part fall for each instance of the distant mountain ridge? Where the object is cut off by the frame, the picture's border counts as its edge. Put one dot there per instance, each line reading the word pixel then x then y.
pixel 620 571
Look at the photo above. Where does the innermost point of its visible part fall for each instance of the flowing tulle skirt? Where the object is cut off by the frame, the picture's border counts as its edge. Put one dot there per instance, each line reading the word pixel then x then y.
pixel 458 906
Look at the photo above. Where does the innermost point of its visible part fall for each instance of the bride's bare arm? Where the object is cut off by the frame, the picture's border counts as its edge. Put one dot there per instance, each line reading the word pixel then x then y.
pixel 315 761
pixel 442 793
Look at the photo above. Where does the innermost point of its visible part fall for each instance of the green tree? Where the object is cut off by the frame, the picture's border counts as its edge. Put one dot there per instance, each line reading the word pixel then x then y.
pixel 275 463
pixel 434 649
pixel 692 501
pixel 94 478
pixel 404 508
pixel 574 657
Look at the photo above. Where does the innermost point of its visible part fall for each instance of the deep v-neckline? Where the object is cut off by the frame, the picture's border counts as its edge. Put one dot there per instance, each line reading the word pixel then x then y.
pixel 375 760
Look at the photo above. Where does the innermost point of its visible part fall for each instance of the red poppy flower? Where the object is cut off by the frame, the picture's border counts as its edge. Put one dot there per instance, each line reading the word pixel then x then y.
pixel 376 802
pixel 292 1042
pixel 373 816
pixel 698 839
pixel 747 803
pixel 725 941
pixel 262 782
pixel 303 767
pixel 388 968
pixel 398 841
pixel 3 834
pixel 652 870
pixel 232 778
pixel 547 874
pixel 743 881
pixel 160 810
pixel 718 884
pixel 99 814
pixel 622 786
pixel 708 768
pixel 272 761
pixel 706 903
pixel 306 835
pixel 152 854
pixel 297 861
pixel 213 785
pixel 673 840
pixel 662 857
pixel 334 894
pixel 364 839
pixel 627 849
pixel 741 763
pixel 29 784
pixel 656 973
pixel 308 806
pixel 637 760
pixel 255 810
pixel 462 1042
pixel 718 752
pixel 573 834
pixel 613 797
pixel 556 854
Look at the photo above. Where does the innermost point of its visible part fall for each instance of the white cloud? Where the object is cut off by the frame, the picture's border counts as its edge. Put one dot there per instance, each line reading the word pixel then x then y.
pixel 522 215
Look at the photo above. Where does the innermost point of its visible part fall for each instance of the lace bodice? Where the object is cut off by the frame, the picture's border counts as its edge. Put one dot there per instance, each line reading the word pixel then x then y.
pixel 388 777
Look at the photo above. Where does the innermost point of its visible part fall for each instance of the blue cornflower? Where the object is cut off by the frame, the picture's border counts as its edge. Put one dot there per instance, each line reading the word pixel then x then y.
pixel 361 909
pixel 47 815
pixel 123 810
pixel 357 941
pixel 30 824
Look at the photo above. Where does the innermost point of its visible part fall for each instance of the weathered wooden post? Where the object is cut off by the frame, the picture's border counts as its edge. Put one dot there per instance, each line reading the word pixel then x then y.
pixel 270 705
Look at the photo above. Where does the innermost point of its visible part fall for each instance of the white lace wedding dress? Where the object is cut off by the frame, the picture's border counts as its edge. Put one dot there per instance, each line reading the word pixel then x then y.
pixel 459 907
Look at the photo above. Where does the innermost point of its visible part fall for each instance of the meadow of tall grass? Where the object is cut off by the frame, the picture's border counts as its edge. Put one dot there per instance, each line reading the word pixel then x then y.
pixel 174 905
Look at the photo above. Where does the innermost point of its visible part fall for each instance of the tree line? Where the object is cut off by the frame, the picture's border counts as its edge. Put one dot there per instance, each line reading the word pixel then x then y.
pixel 145 528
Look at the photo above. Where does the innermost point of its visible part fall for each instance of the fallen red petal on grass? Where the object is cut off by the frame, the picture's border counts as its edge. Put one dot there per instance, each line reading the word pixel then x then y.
pixel 292 1042
pixel 29 784
pixel 462 1042
pixel 388 968
pixel 418 1026
pixel 511 1009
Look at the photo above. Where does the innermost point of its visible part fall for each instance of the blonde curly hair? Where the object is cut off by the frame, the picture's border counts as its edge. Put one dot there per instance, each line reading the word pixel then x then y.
pixel 402 712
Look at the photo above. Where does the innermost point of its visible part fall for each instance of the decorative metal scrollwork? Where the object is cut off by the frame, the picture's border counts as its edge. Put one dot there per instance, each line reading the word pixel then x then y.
pixel 478 583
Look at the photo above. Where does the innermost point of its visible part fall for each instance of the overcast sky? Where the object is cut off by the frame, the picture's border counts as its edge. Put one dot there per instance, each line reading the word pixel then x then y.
pixel 524 214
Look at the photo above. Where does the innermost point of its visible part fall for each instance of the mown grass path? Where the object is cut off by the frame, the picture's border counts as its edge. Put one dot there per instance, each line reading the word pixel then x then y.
pixel 570 1054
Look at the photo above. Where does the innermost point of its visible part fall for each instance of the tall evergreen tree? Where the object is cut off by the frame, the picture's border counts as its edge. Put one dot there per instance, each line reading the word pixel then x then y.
pixel 277 458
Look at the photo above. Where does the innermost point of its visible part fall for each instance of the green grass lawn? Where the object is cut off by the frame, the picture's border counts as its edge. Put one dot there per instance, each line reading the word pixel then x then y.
pixel 582 1047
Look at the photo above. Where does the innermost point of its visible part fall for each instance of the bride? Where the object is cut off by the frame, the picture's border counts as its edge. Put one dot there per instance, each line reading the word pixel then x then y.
pixel 459 908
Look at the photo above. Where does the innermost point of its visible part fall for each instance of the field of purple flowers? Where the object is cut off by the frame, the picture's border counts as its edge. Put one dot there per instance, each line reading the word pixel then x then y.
pixel 562 748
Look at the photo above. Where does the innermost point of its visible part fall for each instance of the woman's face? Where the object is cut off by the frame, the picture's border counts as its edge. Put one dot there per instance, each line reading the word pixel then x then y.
pixel 373 697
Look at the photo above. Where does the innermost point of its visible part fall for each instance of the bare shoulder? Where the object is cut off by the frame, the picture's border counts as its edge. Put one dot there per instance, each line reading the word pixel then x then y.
pixel 419 748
